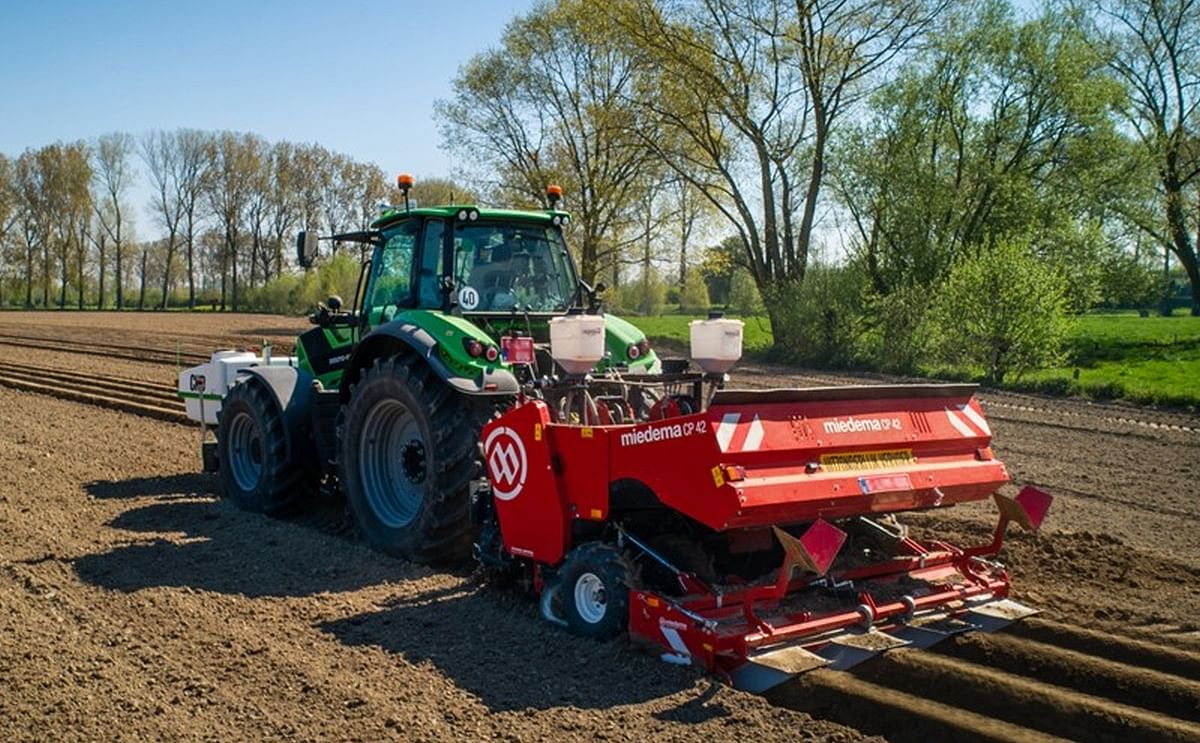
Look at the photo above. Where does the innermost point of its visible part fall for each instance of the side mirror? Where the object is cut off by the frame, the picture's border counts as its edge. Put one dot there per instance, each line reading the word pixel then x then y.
pixel 306 249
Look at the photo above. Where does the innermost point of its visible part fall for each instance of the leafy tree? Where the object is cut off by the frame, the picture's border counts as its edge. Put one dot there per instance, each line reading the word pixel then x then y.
pixel 1000 128
pixel 694 297
pixel 744 298
pixel 748 95
pixel 1153 48
pixel 1002 310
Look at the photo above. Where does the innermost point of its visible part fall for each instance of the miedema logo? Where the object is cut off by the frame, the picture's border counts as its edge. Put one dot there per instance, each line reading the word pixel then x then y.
pixel 506 461
pixel 850 424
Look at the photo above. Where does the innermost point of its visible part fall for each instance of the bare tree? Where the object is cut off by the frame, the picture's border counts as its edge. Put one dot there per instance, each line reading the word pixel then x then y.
pixel 28 181
pixel 284 202
pixel 114 175
pixel 234 159
pixel 192 177
pixel 161 153
pixel 9 214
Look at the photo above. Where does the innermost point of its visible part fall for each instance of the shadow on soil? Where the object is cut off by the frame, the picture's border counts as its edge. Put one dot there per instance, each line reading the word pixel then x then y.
pixel 493 643
pixel 186 485
pixel 488 640
pixel 189 538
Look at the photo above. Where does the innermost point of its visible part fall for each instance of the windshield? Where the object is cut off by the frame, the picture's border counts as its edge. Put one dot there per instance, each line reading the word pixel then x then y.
pixel 499 267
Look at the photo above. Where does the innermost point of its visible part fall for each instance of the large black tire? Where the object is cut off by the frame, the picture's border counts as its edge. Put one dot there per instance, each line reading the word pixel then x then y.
pixel 256 470
pixel 593 588
pixel 409 449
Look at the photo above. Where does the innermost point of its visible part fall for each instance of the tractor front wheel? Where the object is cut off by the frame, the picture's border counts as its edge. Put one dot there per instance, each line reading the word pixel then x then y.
pixel 409 451
pixel 593 587
pixel 257 472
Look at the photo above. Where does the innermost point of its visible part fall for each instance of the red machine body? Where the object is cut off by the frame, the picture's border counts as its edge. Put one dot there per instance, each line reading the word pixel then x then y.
pixel 753 459
pixel 756 466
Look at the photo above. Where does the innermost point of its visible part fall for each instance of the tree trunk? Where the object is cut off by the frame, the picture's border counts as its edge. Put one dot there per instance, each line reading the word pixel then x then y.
pixel 79 258
pixel 63 279
pixel 142 292
pixel 1181 240
pixel 119 278
pixel 191 271
pixel 100 299
pixel 28 278
pixel 46 276
pixel 167 269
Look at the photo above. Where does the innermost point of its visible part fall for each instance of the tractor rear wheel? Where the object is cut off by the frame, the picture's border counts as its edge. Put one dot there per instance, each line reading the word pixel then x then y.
pixel 257 472
pixel 593 587
pixel 409 449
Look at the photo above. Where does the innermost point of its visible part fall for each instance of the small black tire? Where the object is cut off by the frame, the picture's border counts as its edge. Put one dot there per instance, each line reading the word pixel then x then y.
pixel 256 470
pixel 408 452
pixel 593 588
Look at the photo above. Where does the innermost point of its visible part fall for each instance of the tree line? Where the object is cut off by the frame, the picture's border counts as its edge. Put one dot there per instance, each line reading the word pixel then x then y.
pixel 225 210
pixel 911 136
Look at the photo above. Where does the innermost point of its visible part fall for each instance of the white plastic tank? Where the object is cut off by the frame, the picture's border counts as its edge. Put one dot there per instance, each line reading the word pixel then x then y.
pixel 716 343
pixel 577 342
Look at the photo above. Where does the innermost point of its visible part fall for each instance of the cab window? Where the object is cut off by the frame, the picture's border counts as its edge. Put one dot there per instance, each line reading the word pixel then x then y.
pixel 391 283
pixel 429 291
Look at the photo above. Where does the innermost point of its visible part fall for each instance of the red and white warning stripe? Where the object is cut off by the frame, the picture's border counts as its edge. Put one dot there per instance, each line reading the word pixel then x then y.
pixel 968 416
pixel 728 430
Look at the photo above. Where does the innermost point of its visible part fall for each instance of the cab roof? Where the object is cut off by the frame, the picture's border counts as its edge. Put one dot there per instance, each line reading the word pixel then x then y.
pixel 394 215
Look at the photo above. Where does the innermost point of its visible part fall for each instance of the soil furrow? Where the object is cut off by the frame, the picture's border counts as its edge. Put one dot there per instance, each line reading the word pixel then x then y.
pixel 1034 703
pixel 900 716
pixel 1096 676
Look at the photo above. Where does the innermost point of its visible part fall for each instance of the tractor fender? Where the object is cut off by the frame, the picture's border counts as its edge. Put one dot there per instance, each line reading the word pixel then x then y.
pixel 291 388
pixel 381 342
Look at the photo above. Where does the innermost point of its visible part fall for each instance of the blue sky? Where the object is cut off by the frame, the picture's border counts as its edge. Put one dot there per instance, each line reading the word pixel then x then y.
pixel 356 77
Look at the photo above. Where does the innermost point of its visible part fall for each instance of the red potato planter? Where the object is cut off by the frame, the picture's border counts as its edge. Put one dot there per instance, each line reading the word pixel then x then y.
pixel 709 534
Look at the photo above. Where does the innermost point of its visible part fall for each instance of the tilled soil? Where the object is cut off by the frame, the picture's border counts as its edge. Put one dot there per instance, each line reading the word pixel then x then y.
pixel 136 604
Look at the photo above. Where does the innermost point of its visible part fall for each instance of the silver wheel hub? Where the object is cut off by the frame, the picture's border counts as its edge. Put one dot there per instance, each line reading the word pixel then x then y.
pixel 393 462
pixel 245 452
pixel 591 600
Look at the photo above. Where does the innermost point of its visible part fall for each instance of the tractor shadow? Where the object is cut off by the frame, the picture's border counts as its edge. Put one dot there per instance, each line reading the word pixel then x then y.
pixel 189 538
pixel 184 485
pixel 493 643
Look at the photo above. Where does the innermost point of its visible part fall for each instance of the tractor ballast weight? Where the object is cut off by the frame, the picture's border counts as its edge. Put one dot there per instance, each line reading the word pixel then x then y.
pixel 763 473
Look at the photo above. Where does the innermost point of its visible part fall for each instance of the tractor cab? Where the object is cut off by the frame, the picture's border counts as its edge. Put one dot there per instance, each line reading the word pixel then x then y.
pixel 469 277
pixel 468 261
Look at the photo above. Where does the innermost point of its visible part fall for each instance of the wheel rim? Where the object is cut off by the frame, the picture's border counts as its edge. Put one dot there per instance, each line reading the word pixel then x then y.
pixel 392 462
pixel 245 451
pixel 591 600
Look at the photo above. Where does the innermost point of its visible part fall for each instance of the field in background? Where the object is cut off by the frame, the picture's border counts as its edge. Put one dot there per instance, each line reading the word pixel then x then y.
pixel 1154 360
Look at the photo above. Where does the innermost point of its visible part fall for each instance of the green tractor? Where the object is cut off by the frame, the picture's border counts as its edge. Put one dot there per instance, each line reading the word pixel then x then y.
pixel 385 400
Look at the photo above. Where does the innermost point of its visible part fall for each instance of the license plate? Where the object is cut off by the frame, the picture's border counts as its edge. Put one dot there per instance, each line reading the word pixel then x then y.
pixel 517 350
pixel 866 460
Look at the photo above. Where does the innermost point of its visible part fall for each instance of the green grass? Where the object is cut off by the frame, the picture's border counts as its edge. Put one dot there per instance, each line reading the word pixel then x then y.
pixel 1153 360
pixel 674 329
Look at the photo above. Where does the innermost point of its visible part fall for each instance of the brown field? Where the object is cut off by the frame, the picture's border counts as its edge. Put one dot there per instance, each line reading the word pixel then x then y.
pixel 136 604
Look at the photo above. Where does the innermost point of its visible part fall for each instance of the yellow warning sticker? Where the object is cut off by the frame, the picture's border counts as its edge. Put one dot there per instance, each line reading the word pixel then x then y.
pixel 718 477
pixel 585 432
pixel 866 460
pixel 537 431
